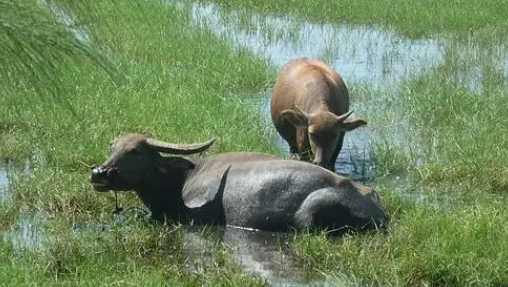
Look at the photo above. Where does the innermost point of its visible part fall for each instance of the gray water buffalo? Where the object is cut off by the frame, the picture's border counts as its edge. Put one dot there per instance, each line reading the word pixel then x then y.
pixel 310 110
pixel 245 189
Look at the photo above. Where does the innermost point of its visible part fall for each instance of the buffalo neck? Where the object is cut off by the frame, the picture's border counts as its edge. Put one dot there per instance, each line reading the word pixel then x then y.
pixel 161 190
pixel 315 106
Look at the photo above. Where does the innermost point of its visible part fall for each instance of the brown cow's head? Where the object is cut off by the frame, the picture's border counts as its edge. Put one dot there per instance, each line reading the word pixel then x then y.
pixel 323 129
pixel 133 157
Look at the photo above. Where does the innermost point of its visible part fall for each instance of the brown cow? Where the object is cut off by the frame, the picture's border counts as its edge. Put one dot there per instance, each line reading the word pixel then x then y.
pixel 310 109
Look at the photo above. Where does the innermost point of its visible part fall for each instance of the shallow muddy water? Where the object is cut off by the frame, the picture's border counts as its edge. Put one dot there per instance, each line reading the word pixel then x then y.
pixel 361 54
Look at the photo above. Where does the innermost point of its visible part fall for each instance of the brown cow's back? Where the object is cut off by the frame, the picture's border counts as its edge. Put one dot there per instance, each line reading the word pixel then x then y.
pixel 300 77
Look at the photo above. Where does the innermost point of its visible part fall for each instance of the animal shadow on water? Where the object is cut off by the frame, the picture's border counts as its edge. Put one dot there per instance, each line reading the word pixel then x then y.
pixel 261 253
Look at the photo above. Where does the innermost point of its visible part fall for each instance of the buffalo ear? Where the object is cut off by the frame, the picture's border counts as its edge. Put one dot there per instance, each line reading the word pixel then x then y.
pixel 351 124
pixel 147 134
pixel 169 164
pixel 296 117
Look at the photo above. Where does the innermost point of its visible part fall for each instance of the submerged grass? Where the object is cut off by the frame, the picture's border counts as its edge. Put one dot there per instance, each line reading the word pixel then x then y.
pixel 469 18
pixel 467 126
pixel 128 252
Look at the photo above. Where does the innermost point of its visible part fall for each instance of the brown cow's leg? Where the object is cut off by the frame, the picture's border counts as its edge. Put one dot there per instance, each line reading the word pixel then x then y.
pixel 338 148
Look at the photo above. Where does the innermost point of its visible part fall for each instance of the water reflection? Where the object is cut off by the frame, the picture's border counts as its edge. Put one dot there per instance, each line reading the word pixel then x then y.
pixel 372 55
pixel 26 233
pixel 4 181
pixel 261 253
pixel 10 172
pixel 475 65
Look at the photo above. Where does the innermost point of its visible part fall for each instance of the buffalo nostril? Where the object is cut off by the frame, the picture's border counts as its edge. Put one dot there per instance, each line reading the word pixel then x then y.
pixel 97 169
pixel 96 176
pixel 100 171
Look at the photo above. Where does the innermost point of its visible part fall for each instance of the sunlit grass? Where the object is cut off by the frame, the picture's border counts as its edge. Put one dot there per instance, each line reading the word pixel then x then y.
pixel 462 121
pixel 36 44
pixel 462 246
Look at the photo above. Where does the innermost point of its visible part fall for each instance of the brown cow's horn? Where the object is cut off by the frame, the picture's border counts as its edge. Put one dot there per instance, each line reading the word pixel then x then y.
pixel 165 147
pixel 343 117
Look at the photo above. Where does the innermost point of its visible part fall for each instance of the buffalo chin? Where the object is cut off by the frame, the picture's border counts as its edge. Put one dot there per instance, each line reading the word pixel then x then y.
pixel 105 187
pixel 100 187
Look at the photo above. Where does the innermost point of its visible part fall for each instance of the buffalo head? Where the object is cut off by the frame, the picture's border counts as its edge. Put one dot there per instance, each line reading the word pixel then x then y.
pixel 324 130
pixel 133 157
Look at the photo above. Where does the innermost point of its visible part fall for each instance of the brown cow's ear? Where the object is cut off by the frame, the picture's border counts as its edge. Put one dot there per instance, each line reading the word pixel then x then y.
pixel 296 117
pixel 351 124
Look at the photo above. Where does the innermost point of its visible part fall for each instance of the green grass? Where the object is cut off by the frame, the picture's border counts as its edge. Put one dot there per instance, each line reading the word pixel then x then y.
pixel 177 82
pixel 180 83
pixel 448 211
pixel 465 129
pixel 463 246
pixel 36 45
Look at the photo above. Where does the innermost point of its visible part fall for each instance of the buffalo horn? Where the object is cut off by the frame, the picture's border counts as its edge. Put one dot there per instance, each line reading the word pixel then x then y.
pixel 343 117
pixel 165 147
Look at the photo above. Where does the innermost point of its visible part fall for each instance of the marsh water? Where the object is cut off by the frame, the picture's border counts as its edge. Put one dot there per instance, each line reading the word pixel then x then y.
pixel 4 182
pixel 365 56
